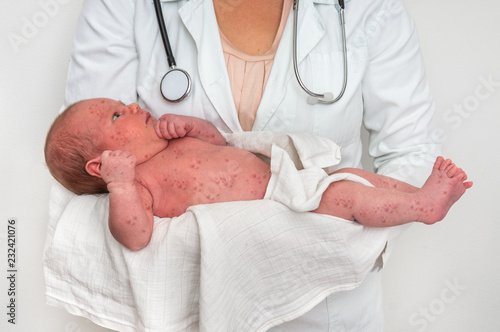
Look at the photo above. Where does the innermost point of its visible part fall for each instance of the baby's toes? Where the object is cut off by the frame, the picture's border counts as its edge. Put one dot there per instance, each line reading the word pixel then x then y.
pixel 438 162
pixel 444 165
pixel 451 170
pixel 461 177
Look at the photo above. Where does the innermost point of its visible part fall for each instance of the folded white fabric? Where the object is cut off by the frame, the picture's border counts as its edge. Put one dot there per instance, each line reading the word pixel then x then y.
pixel 238 266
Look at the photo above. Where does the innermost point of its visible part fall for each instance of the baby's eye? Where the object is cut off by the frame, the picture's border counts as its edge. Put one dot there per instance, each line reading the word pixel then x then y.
pixel 116 116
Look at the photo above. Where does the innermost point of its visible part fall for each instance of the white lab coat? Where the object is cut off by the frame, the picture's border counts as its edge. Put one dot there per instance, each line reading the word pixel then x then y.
pixel 118 53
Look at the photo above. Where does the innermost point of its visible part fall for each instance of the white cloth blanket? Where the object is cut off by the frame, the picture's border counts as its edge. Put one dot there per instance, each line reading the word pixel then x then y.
pixel 237 266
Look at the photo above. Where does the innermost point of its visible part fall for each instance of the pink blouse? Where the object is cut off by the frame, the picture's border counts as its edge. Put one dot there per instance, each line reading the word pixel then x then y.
pixel 248 74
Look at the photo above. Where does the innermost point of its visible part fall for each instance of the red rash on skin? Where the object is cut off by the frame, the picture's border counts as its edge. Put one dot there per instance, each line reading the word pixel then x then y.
pixel 175 163
pixel 178 153
pixel 195 164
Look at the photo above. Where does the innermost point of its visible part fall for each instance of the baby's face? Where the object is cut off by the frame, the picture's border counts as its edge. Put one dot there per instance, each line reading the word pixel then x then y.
pixel 122 127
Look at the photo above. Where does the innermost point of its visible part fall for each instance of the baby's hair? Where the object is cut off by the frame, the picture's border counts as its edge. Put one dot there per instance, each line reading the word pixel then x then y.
pixel 67 152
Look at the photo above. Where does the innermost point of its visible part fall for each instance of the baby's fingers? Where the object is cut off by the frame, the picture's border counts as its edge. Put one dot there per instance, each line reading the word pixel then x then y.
pixel 164 129
pixel 157 127
pixel 172 126
pixel 178 130
pixel 118 156
pixel 172 130
pixel 105 154
pixel 121 154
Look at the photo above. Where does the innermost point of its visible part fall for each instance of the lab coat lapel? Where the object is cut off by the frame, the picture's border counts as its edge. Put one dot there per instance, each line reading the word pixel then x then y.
pixel 310 31
pixel 199 19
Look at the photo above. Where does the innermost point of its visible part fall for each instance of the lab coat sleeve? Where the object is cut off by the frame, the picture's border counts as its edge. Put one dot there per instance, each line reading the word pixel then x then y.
pixel 398 106
pixel 104 59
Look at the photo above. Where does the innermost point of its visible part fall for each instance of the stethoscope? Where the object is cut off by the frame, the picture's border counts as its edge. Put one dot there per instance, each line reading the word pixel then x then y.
pixel 176 84
pixel 327 97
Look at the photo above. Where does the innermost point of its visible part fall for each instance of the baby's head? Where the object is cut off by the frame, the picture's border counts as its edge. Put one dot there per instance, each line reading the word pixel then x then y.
pixel 84 130
pixel 67 151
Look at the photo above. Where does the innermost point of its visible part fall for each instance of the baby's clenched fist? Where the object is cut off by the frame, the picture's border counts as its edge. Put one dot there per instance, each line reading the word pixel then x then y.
pixel 118 166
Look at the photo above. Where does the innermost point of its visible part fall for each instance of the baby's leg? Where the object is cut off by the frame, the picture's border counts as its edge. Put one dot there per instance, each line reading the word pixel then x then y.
pixel 394 203
pixel 380 181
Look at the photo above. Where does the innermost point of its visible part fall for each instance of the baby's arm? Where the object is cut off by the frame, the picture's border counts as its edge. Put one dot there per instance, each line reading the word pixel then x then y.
pixel 130 204
pixel 171 126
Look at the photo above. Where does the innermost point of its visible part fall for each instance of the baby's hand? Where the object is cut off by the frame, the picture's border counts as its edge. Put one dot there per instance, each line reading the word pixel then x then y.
pixel 118 167
pixel 171 126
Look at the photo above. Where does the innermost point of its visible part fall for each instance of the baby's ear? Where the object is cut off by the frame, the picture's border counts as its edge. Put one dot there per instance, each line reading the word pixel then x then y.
pixel 93 167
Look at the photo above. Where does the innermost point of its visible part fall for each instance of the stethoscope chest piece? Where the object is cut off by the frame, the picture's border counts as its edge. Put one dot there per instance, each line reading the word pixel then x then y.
pixel 175 86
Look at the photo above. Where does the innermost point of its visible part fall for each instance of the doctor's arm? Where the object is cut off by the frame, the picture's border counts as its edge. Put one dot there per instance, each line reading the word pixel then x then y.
pixel 104 60
pixel 398 105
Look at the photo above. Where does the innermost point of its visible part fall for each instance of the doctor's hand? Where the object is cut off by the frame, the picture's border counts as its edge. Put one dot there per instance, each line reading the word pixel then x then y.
pixel 118 168
pixel 171 126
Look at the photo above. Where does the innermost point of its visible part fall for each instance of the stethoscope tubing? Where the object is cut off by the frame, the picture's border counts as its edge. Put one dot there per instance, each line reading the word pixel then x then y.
pixel 164 34
pixel 318 97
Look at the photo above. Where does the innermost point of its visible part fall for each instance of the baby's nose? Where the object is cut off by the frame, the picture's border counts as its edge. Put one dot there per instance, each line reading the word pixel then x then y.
pixel 134 108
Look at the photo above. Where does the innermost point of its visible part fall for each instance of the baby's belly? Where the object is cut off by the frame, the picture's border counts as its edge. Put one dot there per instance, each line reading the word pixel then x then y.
pixel 195 172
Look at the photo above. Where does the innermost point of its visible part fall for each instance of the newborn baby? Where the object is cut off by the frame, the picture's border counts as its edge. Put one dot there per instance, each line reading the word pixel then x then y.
pixel 161 167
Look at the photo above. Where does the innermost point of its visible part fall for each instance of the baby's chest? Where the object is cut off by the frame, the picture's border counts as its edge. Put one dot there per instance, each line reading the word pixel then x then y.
pixel 197 177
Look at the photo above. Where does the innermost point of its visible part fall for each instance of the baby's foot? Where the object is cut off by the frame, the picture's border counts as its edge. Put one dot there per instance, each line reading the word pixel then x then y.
pixel 443 188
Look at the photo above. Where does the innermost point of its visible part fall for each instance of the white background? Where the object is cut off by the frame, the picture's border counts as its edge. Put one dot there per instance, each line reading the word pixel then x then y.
pixel 440 278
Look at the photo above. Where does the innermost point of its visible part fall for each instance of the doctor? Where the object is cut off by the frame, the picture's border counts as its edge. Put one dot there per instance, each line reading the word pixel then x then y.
pixel 239 54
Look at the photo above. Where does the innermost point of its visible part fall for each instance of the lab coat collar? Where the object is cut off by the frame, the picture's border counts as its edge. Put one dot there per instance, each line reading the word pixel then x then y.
pixel 316 1
pixel 310 29
pixel 336 2
pixel 326 2
pixel 330 2
pixel 213 77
